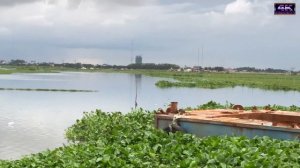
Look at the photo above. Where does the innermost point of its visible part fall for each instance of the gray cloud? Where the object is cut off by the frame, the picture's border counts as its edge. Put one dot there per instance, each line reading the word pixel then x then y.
pixel 74 4
pixel 126 2
pixel 169 32
pixel 15 2
pixel 202 4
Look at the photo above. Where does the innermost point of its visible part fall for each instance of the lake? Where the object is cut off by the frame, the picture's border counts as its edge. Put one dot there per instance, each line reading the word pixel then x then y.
pixel 32 121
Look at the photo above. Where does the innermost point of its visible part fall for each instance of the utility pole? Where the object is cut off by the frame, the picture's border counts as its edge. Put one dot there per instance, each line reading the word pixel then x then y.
pixel 131 52
pixel 198 58
pixel 202 57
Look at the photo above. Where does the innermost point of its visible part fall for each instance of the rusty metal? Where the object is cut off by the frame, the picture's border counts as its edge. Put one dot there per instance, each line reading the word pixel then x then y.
pixel 172 108
pixel 276 124
pixel 160 110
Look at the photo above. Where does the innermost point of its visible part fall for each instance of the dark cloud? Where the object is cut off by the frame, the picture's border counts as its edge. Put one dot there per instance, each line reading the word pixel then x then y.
pixel 15 2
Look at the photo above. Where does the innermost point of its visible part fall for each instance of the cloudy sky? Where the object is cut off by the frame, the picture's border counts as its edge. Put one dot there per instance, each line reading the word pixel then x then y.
pixel 233 33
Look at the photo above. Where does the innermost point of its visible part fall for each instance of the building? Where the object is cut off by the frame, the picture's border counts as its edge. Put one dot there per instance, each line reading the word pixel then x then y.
pixel 2 62
pixel 138 59
pixel 196 68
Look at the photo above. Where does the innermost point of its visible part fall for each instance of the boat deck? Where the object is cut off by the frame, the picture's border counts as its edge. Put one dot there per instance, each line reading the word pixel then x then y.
pixel 281 119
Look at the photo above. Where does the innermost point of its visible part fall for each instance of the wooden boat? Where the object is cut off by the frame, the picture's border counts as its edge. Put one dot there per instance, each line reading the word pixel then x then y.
pixel 238 122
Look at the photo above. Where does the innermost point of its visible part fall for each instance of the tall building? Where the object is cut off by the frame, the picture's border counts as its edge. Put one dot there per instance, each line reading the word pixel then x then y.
pixel 138 59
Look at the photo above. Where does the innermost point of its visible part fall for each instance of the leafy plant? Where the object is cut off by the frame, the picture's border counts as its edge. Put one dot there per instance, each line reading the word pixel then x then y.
pixel 130 140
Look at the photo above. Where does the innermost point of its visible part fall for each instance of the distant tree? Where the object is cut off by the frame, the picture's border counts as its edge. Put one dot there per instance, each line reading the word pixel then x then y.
pixel 17 62
pixel 70 65
pixel 269 70
pixel 87 65
pixel 153 66
pixel 248 69
pixel 219 69
pixel 214 68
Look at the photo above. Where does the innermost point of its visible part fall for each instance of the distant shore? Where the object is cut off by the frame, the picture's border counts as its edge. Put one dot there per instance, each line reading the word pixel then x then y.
pixel 212 80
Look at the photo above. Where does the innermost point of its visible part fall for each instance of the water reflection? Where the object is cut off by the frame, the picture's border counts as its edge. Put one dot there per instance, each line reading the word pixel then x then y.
pixel 138 85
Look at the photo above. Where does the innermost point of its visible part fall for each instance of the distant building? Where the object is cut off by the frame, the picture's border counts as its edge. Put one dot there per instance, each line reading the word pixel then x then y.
pixel 230 70
pixel 196 68
pixel 188 70
pixel 179 70
pixel 2 62
pixel 138 59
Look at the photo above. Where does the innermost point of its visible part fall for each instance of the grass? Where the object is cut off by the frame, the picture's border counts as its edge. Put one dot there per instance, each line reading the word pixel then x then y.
pixel 130 140
pixel 31 69
pixel 5 71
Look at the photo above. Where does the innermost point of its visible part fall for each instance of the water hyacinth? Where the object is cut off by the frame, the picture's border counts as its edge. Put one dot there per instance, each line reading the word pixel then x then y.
pixel 103 139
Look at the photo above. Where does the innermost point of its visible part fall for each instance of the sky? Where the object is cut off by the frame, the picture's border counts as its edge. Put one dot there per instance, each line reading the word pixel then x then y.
pixel 232 33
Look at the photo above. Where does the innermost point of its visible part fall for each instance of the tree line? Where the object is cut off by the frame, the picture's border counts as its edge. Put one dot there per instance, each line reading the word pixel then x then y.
pixel 165 66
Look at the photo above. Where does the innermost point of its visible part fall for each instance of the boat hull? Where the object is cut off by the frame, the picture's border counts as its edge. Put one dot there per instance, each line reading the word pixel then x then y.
pixel 206 127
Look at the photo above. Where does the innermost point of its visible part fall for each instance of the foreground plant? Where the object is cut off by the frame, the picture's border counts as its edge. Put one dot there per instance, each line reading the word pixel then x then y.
pixel 102 139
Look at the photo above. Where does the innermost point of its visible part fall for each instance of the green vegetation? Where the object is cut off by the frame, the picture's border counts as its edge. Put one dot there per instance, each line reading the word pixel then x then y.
pixel 212 80
pixel 7 69
pixel 214 105
pixel 102 139
pixel 201 84
pixel 152 66
pixel 221 80
pixel 47 90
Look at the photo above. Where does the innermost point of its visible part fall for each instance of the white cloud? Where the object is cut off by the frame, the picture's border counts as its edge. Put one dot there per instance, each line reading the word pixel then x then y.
pixel 239 7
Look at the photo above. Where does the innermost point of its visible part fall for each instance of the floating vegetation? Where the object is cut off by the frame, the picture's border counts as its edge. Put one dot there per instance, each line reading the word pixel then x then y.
pixel 282 82
pixel 47 90
pixel 200 84
pixel 213 80
pixel 215 105
pixel 103 139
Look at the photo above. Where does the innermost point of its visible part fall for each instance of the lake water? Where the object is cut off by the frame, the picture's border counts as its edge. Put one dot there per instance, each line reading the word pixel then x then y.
pixel 33 121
